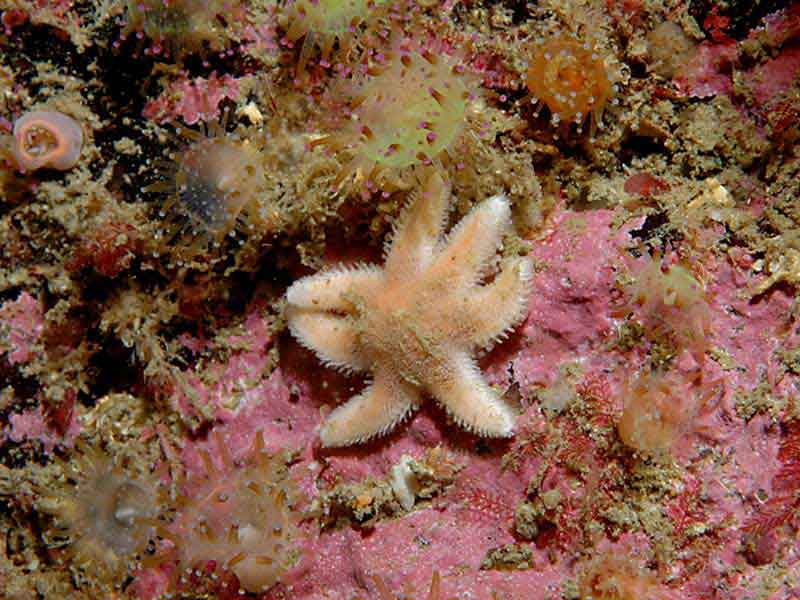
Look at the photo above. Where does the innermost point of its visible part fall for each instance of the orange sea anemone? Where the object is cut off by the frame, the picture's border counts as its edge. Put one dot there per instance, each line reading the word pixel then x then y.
pixel 236 515
pixel 570 77
pixel 47 139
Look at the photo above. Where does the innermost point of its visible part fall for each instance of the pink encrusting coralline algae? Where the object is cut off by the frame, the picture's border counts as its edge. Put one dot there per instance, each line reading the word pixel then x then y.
pixel 22 326
pixel 524 507
pixel 357 301
pixel 192 100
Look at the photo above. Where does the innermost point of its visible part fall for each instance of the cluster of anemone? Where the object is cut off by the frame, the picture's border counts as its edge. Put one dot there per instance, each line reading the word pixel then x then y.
pixel 661 405
pixel 236 515
pixel 393 110
pixel 179 27
pixel 404 114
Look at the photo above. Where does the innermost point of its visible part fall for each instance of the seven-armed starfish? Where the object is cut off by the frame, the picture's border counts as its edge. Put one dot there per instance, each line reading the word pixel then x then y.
pixel 416 323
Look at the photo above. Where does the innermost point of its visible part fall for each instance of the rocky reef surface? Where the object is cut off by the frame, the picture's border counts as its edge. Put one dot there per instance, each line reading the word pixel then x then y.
pixel 318 299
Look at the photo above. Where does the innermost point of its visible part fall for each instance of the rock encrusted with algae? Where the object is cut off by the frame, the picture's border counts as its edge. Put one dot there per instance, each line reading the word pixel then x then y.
pixel 146 358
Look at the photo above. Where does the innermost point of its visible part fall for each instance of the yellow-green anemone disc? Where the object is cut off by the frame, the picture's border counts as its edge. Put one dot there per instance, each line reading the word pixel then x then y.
pixel 404 117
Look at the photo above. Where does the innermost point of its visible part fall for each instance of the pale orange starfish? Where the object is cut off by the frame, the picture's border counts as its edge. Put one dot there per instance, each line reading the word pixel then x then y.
pixel 416 323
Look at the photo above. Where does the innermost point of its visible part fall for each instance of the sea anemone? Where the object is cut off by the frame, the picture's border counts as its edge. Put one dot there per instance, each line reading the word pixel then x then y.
pixel 657 411
pixel 107 514
pixel 47 139
pixel 213 187
pixel 619 576
pixel 661 407
pixel 179 27
pixel 408 110
pixel 570 77
pixel 672 305
pixel 234 515
pixel 325 22
pixel 669 48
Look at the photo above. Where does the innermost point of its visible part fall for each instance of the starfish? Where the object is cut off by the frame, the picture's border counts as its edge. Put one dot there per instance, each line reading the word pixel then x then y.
pixel 416 323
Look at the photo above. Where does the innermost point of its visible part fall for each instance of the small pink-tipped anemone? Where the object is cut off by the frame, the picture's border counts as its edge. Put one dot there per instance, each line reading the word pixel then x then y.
pixel 408 111
pixel 323 23
pixel 180 27
pixel 47 139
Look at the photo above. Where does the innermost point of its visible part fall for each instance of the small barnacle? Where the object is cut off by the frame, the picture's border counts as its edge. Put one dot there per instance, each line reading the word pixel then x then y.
pixel 571 79
pixel 47 139
pixel 107 514
pixel 180 27
pixel 213 187
pixel 410 110
pixel 236 514
pixel 323 23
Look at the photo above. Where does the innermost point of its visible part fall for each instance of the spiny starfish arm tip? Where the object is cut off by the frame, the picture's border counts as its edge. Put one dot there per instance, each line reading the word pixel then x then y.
pixel 495 423
pixel 465 253
pixel 332 338
pixel 500 206
pixel 470 401
pixel 419 228
pixel 496 308
pixel 327 290
pixel 372 413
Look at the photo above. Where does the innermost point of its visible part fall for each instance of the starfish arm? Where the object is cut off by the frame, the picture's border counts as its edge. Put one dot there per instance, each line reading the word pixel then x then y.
pixel 419 229
pixel 332 290
pixel 373 412
pixel 333 338
pixel 467 397
pixel 471 244
pixel 490 311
